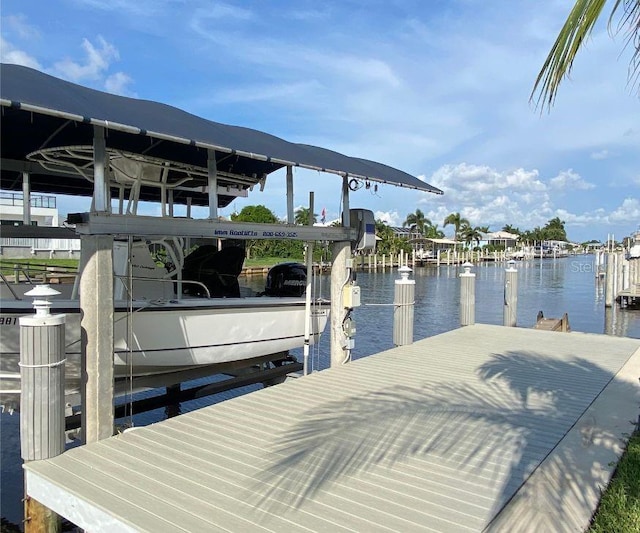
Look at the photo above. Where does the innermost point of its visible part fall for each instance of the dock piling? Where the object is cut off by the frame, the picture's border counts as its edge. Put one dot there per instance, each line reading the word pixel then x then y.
pixel 404 300
pixel 42 404
pixel 609 291
pixel 467 296
pixel 510 295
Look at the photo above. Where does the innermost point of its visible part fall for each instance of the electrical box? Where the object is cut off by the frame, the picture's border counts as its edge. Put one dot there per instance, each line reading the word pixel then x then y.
pixel 363 221
pixel 351 296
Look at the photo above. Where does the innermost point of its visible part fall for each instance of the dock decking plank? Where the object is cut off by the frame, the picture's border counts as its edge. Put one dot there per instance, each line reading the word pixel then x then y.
pixel 457 432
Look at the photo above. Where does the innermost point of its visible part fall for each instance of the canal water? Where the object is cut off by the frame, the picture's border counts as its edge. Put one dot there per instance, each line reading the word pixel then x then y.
pixel 553 286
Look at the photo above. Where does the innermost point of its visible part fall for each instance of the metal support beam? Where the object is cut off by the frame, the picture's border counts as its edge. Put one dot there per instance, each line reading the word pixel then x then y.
pixel 148 226
pixel 101 200
pixel 346 219
pixel 307 308
pixel 26 199
pixel 290 213
pixel 213 184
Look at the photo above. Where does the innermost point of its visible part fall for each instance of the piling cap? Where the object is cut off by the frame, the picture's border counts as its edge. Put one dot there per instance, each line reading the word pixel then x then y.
pixel 511 264
pixel 467 267
pixel 41 295
pixel 404 271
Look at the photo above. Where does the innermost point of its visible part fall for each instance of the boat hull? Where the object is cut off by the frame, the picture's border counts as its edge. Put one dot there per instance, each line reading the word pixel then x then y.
pixel 182 333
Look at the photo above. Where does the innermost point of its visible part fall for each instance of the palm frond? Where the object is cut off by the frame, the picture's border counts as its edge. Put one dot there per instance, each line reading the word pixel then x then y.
pixel 576 29
pixel 629 23
pixel 557 66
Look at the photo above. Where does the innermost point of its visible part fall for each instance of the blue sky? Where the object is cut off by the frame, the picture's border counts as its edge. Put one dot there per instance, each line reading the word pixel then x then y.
pixel 439 89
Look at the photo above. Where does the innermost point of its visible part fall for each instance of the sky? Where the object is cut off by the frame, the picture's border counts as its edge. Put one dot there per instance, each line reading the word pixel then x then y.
pixel 440 89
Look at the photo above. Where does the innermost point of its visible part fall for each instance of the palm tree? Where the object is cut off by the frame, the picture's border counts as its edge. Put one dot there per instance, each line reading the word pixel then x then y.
pixel 433 232
pixel 417 222
pixel 457 221
pixel 511 229
pixel 469 234
pixel 576 30
pixel 301 216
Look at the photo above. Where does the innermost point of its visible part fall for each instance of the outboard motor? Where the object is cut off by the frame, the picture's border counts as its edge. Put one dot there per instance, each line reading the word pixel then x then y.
pixel 286 279
pixel 218 270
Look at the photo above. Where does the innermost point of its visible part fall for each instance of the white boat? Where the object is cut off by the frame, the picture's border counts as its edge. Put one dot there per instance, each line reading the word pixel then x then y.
pixel 61 138
pixel 211 322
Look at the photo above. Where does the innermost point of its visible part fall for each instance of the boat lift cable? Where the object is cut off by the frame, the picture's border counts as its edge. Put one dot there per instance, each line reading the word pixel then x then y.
pixel 130 327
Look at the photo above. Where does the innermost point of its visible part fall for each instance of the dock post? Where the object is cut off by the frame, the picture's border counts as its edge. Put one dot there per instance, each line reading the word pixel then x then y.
pixel 625 274
pixel 340 350
pixel 609 296
pixel 96 362
pixel 510 310
pixel 403 305
pixel 618 276
pixel 467 296
pixel 42 415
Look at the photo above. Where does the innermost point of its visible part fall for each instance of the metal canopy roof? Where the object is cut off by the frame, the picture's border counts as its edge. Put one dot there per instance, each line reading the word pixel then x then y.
pixel 42 112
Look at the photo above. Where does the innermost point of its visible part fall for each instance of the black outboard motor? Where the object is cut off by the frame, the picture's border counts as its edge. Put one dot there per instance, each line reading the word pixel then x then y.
pixel 218 270
pixel 286 279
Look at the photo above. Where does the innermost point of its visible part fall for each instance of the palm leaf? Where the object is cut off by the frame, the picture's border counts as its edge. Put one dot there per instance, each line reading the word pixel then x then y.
pixel 576 29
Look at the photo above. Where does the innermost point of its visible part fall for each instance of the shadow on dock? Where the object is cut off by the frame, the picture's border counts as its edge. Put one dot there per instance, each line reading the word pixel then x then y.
pixel 505 429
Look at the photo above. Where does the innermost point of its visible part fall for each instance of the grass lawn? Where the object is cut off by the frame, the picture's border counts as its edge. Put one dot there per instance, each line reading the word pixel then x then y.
pixel 35 265
pixel 619 509
pixel 268 261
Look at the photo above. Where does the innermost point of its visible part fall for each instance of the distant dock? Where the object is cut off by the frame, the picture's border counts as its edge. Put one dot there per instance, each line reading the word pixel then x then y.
pixel 484 428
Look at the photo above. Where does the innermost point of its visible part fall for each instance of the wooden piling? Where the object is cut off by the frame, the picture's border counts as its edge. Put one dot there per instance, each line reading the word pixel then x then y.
pixel 609 291
pixel 509 314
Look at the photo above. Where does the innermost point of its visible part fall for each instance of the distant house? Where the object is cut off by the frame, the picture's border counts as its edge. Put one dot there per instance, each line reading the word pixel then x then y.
pixel 43 209
pixel 407 233
pixel 45 240
pixel 502 239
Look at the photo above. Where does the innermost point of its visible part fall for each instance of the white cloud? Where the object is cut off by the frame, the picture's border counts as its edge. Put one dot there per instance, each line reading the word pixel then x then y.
pixel 265 92
pixel 18 24
pixel 627 212
pixel 472 182
pixel 118 84
pixel 602 154
pixel 96 62
pixel 569 180
pixel 487 196
pixel 146 8
pixel 390 218
pixel 10 54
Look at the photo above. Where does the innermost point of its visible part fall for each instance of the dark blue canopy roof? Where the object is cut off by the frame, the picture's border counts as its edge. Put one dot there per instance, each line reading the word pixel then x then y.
pixel 40 111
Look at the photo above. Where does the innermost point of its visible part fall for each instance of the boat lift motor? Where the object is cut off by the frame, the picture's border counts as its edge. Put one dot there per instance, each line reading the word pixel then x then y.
pixel 362 220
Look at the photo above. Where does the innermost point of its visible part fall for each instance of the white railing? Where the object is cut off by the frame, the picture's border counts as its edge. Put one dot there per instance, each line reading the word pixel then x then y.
pixel 55 245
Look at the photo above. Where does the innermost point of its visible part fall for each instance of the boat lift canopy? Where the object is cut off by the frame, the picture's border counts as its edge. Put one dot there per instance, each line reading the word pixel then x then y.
pixel 46 121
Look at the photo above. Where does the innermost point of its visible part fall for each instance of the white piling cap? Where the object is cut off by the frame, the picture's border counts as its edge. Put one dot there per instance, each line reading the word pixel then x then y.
pixel 404 271
pixel 467 267
pixel 41 295
pixel 511 264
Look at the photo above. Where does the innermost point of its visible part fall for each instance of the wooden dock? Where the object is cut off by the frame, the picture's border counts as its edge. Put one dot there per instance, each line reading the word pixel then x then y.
pixel 552 324
pixel 629 297
pixel 484 428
